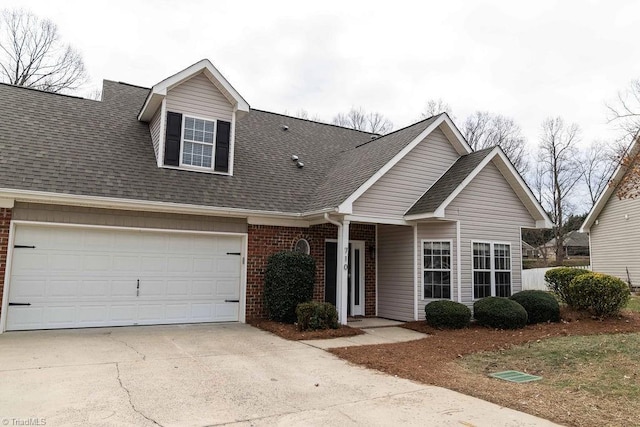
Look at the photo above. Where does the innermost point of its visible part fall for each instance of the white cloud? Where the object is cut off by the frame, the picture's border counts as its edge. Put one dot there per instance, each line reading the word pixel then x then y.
pixel 528 60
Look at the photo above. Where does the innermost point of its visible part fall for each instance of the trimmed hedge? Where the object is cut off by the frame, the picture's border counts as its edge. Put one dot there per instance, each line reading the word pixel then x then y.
pixel 601 294
pixel 447 314
pixel 499 313
pixel 558 280
pixel 316 315
pixel 288 281
pixel 541 306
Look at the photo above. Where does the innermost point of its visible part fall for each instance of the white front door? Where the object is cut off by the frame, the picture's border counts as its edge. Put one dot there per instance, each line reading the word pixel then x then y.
pixel 74 277
pixel 356 278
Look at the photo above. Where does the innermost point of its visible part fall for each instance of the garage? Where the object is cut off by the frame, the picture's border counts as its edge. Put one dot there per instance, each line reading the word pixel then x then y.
pixel 78 277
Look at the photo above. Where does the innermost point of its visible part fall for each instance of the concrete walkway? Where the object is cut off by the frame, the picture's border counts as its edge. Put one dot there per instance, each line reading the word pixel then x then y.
pixel 199 375
pixel 371 336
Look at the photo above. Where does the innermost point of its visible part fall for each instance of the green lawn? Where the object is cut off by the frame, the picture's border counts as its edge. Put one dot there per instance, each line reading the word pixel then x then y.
pixel 634 304
pixel 602 366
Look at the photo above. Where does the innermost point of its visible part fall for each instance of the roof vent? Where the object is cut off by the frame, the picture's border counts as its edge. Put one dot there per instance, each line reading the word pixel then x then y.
pixel 285 127
pixel 300 165
pixel 374 136
pixel 294 157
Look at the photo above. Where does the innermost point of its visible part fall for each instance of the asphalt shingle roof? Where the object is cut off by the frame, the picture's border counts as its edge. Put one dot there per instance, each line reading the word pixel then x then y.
pixel 443 187
pixel 61 144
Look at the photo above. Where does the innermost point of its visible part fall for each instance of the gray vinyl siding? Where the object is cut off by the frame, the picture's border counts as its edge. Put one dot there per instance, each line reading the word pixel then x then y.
pixel 436 231
pixel 199 97
pixel 395 272
pixel 615 241
pixel 121 218
pixel 397 190
pixel 155 126
pixel 489 210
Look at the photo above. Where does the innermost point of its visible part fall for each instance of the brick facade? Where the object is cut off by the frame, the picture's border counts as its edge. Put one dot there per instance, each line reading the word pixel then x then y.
pixel 5 220
pixel 265 240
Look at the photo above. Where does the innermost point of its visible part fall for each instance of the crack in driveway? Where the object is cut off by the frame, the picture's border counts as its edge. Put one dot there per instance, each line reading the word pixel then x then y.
pixel 136 410
pixel 128 345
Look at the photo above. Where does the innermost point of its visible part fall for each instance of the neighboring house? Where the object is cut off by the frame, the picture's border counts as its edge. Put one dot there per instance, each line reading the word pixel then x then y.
pixel 613 225
pixel 162 205
pixel 529 252
pixel 574 244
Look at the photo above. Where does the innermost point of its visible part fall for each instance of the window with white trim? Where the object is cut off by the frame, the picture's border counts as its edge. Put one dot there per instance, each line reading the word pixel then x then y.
pixel 436 266
pixel 491 269
pixel 198 142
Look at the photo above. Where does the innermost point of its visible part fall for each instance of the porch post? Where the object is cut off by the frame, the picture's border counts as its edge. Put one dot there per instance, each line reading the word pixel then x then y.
pixel 342 299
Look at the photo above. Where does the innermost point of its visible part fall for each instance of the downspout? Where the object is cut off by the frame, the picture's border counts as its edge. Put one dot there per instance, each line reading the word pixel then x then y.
pixel 416 274
pixel 458 261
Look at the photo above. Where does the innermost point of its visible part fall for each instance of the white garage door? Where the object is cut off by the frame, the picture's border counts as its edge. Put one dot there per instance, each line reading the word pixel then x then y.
pixel 75 277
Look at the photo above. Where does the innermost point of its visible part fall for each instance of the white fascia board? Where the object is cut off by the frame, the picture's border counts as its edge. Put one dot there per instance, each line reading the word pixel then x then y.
pixel 7 203
pixel 346 207
pixel 608 192
pixel 598 206
pixel 280 222
pixel 376 220
pixel 440 210
pixel 541 217
pixel 522 187
pixel 421 216
pixel 455 137
pixel 161 89
pixel 151 105
pixel 145 205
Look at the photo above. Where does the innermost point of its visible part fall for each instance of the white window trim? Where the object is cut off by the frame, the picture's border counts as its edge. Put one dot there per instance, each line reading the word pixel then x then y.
pixel 493 267
pixel 450 270
pixel 213 150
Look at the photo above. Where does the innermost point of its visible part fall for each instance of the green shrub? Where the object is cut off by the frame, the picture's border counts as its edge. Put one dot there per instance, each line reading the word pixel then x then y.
pixel 316 315
pixel 447 314
pixel 541 306
pixel 499 313
pixel 558 280
pixel 288 281
pixel 600 294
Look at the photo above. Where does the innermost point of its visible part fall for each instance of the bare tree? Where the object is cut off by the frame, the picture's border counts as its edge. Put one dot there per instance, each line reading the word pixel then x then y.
pixel 359 119
pixel 625 110
pixel 598 164
pixel 483 129
pixel 32 55
pixel 435 107
pixel 558 172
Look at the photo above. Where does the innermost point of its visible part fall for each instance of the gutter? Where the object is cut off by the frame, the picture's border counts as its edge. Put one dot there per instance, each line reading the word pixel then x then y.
pixel 146 205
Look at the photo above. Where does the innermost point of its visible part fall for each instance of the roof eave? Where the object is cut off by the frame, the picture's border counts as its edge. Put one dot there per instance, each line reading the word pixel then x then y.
pixel 45 197
pixel 450 130
pixel 159 90
pixel 608 192
pixel 523 192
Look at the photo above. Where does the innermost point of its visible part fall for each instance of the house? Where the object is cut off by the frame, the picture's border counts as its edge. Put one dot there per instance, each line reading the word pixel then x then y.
pixel 162 205
pixel 574 244
pixel 529 252
pixel 613 226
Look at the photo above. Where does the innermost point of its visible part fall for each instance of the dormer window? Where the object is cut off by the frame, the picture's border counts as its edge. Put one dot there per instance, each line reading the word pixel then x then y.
pixel 197 142
pixel 192 117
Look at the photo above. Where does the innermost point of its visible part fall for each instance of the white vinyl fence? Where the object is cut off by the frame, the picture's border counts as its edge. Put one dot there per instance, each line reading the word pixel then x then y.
pixel 533 278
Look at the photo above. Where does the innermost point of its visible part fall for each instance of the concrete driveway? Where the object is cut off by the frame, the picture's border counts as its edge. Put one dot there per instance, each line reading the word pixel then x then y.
pixel 210 375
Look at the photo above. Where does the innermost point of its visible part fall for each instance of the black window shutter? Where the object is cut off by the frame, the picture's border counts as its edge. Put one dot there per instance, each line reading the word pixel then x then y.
pixel 172 140
pixel 223 135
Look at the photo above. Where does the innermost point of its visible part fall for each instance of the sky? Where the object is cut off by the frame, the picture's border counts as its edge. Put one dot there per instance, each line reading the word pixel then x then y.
pixel 526 60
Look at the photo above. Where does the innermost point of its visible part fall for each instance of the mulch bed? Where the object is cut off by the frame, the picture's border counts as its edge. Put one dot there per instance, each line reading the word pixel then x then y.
pixel 432 360
pixel 291 332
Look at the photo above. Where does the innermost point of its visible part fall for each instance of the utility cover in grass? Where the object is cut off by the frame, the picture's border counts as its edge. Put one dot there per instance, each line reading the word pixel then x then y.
pixel 515 376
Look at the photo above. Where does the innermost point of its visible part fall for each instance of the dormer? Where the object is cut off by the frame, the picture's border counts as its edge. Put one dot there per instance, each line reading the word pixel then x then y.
pixel 192 117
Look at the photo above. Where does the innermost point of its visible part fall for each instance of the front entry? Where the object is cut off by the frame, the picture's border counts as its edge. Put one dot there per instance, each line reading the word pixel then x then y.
pixel 355 284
